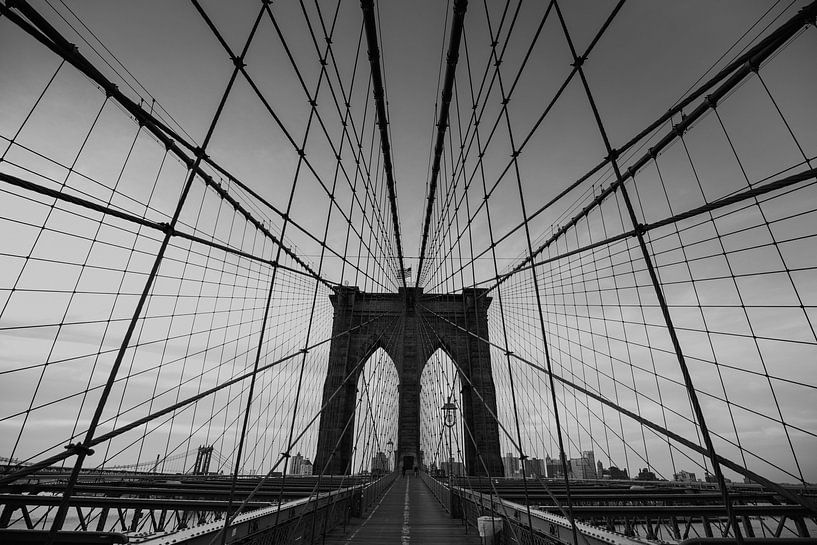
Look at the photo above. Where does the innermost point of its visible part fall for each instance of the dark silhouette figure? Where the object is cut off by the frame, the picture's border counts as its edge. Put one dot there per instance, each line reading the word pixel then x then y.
pixel 404 472
pixel 416 471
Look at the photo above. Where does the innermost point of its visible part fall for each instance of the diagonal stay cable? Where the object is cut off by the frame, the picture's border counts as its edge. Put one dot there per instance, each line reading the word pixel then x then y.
pixel 40 29
pixel 162 227
pixel 83 450
pixel 747 194
pixel 324 75
pixel 301 150
pixel 515 442
pixel 33 468
pixel 352 373
pixel 806 502
pixel 736 72
pixel 730 75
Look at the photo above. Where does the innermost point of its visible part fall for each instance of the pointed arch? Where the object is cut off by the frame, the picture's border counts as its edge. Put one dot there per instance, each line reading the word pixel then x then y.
pixel 376 414
pixel 440 383
pixel 410 327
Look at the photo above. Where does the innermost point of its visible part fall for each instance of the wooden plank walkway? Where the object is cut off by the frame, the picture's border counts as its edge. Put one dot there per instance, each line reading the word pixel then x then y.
pixel 408 513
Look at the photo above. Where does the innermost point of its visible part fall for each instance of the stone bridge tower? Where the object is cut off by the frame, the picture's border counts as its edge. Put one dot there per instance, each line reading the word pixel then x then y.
pixel 394 322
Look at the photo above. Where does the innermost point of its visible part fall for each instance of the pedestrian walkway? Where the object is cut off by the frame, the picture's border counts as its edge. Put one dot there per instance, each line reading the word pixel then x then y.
pixel 408 513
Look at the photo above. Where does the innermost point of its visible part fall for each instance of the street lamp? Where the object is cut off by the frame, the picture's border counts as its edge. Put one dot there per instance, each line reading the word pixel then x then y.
pixel 450 420
pixel 390 444
pixel 450 413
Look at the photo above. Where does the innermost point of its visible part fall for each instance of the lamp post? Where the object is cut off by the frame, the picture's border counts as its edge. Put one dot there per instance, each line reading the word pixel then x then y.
pixel 390 444
pixel 450 420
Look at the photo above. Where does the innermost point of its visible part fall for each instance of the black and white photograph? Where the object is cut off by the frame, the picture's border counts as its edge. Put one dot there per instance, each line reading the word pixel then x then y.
pixel 495 272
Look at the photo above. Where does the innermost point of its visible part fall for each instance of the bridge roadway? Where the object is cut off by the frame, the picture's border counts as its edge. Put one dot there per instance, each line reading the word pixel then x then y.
pixel 407 513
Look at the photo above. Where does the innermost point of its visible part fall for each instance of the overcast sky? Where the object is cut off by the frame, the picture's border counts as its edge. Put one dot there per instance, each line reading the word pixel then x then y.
pixel 648 59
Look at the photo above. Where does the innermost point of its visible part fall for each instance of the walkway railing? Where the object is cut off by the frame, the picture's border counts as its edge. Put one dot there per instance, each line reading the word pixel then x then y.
pixel 303 520
pixel 299 521
pixel 624 518
pixel 520 524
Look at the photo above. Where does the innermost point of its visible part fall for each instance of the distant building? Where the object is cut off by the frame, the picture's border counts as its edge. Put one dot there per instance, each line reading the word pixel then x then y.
pixel 455 469
pixel 554 468
pixel 599 470
pixel 580 468
pixel 616 474
pixel 646 475
pixel 380 464
pixel 535 467
pixel 306 467
pixel 684 477
pixel 511 465
pixel 584 467
pixel 295 464
pixel 710 478
pixel 590 456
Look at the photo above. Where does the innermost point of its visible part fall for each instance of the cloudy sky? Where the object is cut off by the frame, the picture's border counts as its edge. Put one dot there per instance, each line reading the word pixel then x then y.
pixel 205 312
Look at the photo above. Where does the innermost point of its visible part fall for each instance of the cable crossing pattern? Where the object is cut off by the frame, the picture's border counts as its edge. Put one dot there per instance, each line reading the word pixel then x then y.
pixel 209 325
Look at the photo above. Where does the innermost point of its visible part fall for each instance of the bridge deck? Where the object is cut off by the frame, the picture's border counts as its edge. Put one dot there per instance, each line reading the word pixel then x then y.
pixel 408 513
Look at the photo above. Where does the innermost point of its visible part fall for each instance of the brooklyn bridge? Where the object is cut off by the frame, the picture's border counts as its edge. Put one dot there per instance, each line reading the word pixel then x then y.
pixel 408 272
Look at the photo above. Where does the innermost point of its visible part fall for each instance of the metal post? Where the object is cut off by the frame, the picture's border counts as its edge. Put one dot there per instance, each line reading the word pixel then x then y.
pixel 450 420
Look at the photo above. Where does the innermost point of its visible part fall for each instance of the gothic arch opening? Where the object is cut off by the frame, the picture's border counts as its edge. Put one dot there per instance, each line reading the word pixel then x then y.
pixel 442 433
pixel 376 412
pixel 400 324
